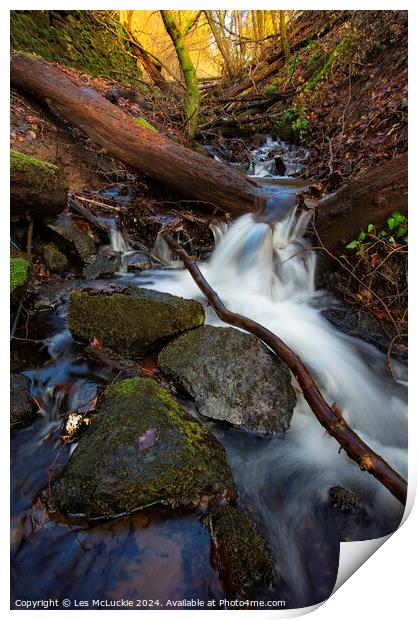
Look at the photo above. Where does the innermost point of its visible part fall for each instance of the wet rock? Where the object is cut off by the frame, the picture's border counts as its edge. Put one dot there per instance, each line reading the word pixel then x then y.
pixel 344 499
pixel 241 553
pixel 54 259
pixel 360 324
pixel 52 295
pixel 22 408
pixel 142 448
pixel 233 377
pixel 106 263
pixel 280 166
pixel 133 323
pixel 81 243
pixel 138 261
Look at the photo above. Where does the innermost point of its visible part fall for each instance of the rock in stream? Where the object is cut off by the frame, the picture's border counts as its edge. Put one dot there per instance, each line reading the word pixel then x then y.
pixel 141 448
pixel 132 323
pixel 232 377
pixel 22 408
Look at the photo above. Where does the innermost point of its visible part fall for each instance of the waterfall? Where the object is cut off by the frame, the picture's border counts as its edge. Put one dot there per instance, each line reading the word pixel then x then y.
pixel 267 272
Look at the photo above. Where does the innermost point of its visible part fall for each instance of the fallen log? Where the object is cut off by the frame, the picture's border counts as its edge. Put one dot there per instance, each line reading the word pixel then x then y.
pixel 370 198
pixel 329 417
pixel 189 174
pixel 36 187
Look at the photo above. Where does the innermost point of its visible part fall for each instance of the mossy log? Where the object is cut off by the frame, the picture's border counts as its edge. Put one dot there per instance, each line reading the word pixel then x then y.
pixel 191 175
pixel 370 198
pixel 36 186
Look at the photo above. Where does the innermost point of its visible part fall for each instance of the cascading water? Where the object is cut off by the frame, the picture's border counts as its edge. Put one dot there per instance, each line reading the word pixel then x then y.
pixel 267 272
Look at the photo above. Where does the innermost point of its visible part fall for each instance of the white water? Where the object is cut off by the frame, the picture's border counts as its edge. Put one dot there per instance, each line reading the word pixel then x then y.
pixel 263 165
pixel 267 272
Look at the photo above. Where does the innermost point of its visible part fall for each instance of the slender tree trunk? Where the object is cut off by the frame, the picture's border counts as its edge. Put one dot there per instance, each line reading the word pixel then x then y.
pixel 283 34
pixel 222 46
pixel 189 72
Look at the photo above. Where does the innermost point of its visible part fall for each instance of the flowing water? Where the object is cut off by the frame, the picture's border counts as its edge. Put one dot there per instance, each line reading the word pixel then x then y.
pixel 265 270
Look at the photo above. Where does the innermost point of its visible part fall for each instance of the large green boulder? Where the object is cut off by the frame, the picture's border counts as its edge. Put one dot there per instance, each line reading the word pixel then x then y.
pixel 232 377
pixel 134 322
pixel 142 448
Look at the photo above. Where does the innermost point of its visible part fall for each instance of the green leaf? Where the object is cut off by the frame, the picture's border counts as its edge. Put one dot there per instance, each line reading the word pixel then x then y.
pixel 362 236
pixel 401 231
pixel 382 233
pixel 352 245
pixel 370 228
pixel 391 223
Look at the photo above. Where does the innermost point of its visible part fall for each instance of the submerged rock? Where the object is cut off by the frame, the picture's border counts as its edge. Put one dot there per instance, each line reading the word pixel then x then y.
pixel 21 405
pixel 233 377
pixel 132 323
pixel 54 259
pixel 142 448
pixel 240 551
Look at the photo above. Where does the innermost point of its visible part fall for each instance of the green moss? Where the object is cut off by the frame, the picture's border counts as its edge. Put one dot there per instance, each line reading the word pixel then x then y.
pixel 19 273
pixel 74 39
pixel 25 163
pixel 245 560
pixel 144 123
pixel 343 46
pixel 109 473
pixel 133 324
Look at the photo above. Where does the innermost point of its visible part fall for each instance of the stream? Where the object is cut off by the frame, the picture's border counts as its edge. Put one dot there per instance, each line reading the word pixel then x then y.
pixel 264 270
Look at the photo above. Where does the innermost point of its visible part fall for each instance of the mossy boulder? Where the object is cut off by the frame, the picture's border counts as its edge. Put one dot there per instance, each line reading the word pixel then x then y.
pixel 142 448
pixel 54 259
pixel 19 276
pixel 240 551
pixel 232 377
pixel 36 186
pixel 22 408
pixel 133 323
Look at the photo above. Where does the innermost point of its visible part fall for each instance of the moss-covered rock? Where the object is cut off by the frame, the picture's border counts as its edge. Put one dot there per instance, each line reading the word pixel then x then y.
pixel 232 376
pixel 54 259
pixel 144 123
pixel 133 323
pixel 36 186
pixel 74 39
pixel 22 408
pixel 241 553
pixel 30 165
pixel 19 275
pixel 142 448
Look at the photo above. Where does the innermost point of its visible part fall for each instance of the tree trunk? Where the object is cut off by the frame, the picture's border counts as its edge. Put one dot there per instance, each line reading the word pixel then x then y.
pixel 191 175
pixel 188 69
pixel 283 34
pixel 370 198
